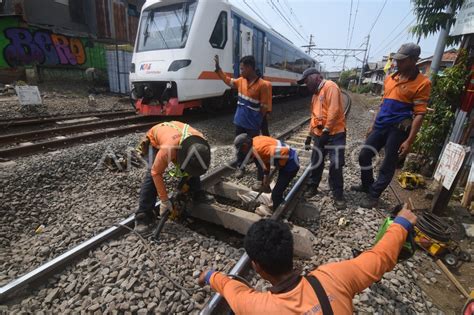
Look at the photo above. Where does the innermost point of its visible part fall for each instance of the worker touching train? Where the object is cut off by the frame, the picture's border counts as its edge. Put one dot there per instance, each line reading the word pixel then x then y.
pixel 327 132
pixel 329 289
pixel 254 100
pixel 187 149
pixel 268 152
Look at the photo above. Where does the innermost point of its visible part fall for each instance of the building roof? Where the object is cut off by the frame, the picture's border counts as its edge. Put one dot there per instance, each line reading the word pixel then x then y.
pixel 448 56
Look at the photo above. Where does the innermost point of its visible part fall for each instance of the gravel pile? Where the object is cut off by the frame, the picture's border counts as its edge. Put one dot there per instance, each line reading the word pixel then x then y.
pixel 63 102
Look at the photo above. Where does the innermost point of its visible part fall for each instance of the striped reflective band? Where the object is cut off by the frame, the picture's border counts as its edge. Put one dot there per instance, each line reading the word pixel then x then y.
pixel 278 148
pixel 249 102
pixel 184 132
pixel 420 101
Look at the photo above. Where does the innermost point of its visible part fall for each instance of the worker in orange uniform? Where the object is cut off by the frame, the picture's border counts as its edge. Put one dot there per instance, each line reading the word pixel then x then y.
pixel 269 152
pixel 264 128
pixel 181 144
pixel 329 289
pixel 328 132
pixel 254 100
pixel 405 100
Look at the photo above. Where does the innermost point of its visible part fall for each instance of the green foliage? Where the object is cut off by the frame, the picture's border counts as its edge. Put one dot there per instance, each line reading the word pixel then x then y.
pixel 346 77
pixel 431 17
pixel 445 98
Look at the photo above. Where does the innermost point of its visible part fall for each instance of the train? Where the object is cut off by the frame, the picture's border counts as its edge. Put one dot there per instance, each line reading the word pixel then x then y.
pixel 172 66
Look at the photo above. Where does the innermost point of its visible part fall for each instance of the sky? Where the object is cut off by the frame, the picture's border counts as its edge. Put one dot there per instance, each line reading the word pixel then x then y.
pixel 328 20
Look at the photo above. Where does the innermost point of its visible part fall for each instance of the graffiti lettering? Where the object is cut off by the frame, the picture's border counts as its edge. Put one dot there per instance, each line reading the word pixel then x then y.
pixel 27 47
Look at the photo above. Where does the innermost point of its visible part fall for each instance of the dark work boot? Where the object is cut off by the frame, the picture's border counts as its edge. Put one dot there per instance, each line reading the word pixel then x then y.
pixel 339 203
pixel 202 197
pixel 310 191
pixel 369 202
pixel 360 188
pixel 142 223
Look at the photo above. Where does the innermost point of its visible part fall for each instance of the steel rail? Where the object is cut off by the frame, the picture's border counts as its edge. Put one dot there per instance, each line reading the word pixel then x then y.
pixel 61 131
pixel 55 265
pixel 59 143
pixel 14 122
pixel 217 301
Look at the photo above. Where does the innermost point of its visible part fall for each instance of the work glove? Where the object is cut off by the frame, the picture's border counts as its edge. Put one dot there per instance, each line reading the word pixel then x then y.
pixel 216 62
pixel 165 206
pixel 324 139
pixel 307 143
pixel 266 185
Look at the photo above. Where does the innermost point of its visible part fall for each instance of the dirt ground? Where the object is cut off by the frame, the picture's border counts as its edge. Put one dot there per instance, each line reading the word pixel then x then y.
pixel 64 99
pixel 443 292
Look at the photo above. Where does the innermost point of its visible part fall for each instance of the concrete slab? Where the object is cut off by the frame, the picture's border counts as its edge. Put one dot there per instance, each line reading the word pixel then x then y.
pixel 228 190
pixel 240 221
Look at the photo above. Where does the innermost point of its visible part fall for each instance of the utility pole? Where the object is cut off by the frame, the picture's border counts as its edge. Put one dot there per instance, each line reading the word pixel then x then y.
pixel 440 45
pixel 363 60
pixel 310 46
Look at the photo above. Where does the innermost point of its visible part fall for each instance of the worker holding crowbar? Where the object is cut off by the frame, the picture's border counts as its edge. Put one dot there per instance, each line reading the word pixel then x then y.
pixel 269 151
pixel 186 147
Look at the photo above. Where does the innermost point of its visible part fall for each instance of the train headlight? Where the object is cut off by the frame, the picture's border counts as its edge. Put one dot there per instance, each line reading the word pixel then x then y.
pixel 132 68
pixel 179 64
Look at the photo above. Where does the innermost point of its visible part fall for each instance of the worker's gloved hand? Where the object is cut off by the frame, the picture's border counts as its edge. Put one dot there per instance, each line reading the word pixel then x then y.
pixel 266 185
pixel 307 143
pixel 165 206
pixel 324 138
pixel 216 62
pixel 407 214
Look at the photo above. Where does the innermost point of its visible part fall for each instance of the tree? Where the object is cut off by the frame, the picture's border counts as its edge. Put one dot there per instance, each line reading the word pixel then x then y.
pixel 431 16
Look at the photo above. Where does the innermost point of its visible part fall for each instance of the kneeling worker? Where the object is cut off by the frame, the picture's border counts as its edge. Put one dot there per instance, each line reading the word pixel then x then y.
pixel 327 290
pixel 268 151
pixel 184 146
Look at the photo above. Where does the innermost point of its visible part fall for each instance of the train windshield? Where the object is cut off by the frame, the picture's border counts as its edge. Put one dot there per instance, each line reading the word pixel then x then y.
pixel 166 27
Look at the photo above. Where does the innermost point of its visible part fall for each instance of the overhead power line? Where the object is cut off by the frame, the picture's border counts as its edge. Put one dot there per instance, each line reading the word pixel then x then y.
pixel 353 23
pixel 377 18
pixel 349 26
pixel 396 38
pixel 256 13
pixel 284 18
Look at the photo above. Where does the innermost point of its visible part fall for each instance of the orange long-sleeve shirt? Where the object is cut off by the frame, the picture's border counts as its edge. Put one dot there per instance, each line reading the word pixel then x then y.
pixel 341 281
pixel 268 148
pixel 327 110
pixel 166 139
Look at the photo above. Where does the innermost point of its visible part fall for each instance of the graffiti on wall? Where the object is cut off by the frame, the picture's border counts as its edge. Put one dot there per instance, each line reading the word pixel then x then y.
pixel 23 45
pixel 41 47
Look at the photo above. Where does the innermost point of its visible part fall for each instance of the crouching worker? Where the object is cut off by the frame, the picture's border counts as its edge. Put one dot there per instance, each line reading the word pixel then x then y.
pixel 267 152
pixel 329 289
pixel 190 153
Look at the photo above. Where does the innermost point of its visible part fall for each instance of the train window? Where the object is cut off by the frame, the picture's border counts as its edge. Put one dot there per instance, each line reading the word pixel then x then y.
pixel 219 34
pixel 166 27
pixel 277 57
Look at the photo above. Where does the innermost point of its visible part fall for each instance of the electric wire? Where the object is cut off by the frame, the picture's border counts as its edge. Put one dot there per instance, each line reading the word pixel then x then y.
pixel 256 13
pixel 353 23
pixel 395 40
pixel 378 16
pixel 283 17
pixel 392 31
pixel 349 25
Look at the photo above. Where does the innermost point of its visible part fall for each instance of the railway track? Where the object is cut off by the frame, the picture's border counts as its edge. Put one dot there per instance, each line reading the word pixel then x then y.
pixel 55 266
pixel 45 120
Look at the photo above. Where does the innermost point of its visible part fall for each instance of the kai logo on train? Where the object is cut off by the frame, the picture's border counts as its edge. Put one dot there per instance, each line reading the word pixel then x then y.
pixel 145 66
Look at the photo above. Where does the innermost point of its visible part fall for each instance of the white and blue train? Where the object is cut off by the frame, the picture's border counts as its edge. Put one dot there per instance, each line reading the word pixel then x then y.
pixel 172 66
